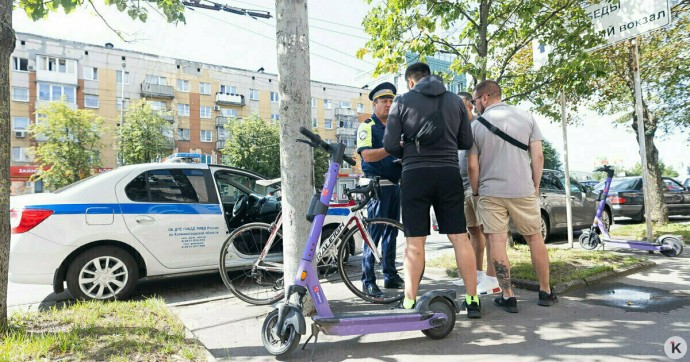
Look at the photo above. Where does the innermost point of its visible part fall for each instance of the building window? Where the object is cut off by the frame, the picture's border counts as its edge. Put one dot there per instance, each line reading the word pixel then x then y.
pixel 90 101
pixel 313 102
pixel 20 64
pixel 204 88
pixel 274 97
pixel 20 154
pixel 183 85
pixel 118 102
pixel 205 112
pixel 156 79
pixel 254 94
pixel 314 123
pixel 118 77
pixel 229 112
pixel 328 123
pixel 206 136
pixel 183 134
pixel 20 94
pixel 183 110
pixel 157 105
pixel 327 104
pixel 228 89
pixel 345 105
pixel 90 73
pixel 275 117
pixel 20 123
pixel 360 108
pixel 57 65
pixel 54 92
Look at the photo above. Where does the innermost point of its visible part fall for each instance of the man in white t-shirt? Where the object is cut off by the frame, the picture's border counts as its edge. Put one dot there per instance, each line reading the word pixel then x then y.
pixel 504 177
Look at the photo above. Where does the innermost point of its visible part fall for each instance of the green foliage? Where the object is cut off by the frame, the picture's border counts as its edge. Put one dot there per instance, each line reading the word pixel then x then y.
pixel 253 144
pixel 551 158
pixel 173 10
pixel 70 151
pixel 636 170
pixel 493 40
pixel 142 137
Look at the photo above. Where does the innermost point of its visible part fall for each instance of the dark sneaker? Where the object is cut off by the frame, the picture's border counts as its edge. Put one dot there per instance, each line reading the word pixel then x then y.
pixel 509 305
pixel 373 291
pixel 395 282
pixel 546 299
pixel 474 309
pixel 400 305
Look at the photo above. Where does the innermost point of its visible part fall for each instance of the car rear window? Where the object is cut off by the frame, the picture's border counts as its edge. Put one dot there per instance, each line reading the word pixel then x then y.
pixel 179 186
pixel 623 184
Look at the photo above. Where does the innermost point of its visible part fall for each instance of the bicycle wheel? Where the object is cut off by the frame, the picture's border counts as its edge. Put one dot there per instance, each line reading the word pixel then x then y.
pixel 350 266
pixel 254 281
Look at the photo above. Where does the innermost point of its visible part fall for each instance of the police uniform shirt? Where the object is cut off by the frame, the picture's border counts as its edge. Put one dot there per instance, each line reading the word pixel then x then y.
pixel 370 136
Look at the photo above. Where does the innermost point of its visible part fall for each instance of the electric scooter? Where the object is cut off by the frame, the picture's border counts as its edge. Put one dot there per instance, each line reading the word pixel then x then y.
pixel 668 245
pixel 434 312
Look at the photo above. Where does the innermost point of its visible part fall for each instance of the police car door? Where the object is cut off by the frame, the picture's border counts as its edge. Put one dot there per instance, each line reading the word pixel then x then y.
pixel 175 214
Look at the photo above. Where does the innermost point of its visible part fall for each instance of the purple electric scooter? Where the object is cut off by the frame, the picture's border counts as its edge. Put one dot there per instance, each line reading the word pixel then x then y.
pixel 434 313
pixel 669 245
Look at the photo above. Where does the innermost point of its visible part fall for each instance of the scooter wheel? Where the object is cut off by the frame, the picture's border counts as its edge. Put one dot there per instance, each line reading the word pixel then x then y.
pixel 441 305
pixel 671 246
pixel 275 345
pixel 589 241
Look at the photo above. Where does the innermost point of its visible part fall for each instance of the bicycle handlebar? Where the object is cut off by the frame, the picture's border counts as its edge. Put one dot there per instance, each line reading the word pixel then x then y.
pixel 369 191
pixel 316 141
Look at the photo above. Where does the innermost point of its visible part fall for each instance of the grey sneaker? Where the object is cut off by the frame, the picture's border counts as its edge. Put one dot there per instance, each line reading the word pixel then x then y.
pixel 546 299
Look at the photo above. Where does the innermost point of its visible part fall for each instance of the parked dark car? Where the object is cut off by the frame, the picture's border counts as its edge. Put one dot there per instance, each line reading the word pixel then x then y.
pixel 590 183
pixel 553 205
pixel 687 182
pixel 626 198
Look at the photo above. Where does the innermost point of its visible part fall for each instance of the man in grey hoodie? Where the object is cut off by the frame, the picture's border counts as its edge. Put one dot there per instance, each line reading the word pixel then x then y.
pixel 431 176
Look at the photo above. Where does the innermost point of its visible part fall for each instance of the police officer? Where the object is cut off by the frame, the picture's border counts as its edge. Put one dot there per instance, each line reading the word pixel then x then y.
pixel 377 162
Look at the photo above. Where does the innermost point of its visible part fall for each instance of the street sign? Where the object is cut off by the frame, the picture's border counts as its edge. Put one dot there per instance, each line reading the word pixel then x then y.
pixel 620 20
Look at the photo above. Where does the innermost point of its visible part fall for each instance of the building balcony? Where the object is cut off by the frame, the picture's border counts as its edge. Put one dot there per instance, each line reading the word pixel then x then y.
pixel 230 99
pixel 157 90
pixel 168 117
pixel 349 151
pixel 343 131
pixel 220 144
pixel 221 121
pixel 345 112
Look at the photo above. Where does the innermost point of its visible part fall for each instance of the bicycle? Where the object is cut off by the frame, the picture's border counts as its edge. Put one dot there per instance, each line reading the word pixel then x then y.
pixel 257 277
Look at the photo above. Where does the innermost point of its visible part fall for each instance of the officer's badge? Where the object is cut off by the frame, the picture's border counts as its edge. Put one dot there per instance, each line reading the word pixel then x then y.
pixel 363 135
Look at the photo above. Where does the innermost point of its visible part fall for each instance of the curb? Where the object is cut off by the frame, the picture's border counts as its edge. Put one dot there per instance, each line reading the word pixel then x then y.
pixel 573 284
pixel 188 334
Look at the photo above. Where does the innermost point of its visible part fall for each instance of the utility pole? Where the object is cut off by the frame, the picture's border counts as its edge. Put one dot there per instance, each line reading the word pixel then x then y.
pixel 292 42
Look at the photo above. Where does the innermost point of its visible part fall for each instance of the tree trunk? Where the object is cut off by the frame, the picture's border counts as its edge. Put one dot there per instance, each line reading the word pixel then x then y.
pixel 7 41
pixel 296 168
pixel 654 196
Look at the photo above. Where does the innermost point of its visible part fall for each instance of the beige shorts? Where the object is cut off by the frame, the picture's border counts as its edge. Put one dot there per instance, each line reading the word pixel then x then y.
pixel 471 218
pixel 495 214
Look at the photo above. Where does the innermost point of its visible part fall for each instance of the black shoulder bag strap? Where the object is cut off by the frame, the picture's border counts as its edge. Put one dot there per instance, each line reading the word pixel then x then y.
pixel 502 134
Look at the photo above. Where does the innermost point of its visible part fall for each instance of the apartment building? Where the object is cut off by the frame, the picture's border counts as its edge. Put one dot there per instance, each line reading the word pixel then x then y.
pixel 199 98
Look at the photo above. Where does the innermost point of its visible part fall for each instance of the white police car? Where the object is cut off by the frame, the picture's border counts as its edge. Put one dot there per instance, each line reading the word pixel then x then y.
pixel 102 234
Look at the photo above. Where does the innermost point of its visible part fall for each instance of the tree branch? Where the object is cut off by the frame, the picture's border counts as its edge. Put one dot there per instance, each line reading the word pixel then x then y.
pixel 117 32
pixel 527 92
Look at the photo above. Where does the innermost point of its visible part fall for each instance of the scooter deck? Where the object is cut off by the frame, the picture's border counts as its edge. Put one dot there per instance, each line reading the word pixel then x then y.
pixel 381 322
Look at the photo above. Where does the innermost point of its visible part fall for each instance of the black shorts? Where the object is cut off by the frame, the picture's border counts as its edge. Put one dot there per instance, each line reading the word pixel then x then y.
pixel 440 187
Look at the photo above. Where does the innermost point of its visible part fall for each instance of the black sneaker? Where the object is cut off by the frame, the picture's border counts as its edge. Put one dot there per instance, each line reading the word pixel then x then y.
pixel 546 299
pixel 373 291
pixel 509 305
pixel 394 282
pixel 474 309
pixel 400 305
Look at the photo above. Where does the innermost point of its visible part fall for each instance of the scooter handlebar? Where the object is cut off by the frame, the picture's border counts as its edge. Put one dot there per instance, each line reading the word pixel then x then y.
pixel 315 139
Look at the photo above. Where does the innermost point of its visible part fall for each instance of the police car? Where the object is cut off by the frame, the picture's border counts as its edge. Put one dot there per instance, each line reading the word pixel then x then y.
pixel 102 234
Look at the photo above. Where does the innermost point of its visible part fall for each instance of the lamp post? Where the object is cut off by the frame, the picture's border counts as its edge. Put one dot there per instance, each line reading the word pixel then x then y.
pixel 122 95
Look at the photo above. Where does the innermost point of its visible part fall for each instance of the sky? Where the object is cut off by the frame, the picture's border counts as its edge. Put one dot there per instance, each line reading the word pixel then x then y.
pixel 336 33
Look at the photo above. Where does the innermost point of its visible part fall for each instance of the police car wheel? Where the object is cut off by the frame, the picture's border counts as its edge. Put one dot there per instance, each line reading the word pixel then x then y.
pixel 102 273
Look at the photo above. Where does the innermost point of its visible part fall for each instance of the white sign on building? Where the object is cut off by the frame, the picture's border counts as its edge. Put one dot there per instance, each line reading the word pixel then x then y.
pixel 620 20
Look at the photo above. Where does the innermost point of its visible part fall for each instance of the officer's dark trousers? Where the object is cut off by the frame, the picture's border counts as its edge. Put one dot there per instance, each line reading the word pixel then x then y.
pixel 389 207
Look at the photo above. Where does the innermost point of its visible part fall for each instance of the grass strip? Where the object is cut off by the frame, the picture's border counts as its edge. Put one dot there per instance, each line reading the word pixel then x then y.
pixel 99 331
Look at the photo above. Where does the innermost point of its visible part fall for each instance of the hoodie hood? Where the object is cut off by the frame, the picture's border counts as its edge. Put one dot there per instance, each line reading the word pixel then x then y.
pixel 430 86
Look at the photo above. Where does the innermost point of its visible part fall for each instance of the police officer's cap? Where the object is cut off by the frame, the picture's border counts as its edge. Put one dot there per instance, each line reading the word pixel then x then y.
pixel 385 89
